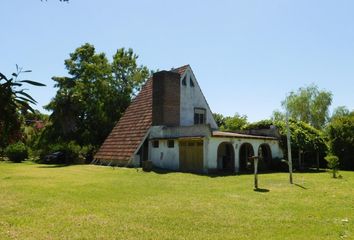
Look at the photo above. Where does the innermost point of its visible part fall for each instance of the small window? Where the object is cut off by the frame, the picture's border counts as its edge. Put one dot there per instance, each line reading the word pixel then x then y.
pixel 199 116
pixel 184 81
pixel 155 143
pixel 191 82
pixel 171 143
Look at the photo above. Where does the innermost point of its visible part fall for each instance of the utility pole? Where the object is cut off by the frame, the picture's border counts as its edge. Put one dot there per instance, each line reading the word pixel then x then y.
pixel 290 162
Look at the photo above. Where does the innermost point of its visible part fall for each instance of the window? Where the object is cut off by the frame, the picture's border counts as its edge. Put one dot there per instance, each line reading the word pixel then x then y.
pixel 184 81
pixel 155 143
pixel 191 82
pixel 199 116
pixel 171 143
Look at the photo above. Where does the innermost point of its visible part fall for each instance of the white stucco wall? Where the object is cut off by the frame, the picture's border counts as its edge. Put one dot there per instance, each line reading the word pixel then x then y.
pixel 163 156
pixel 211 149
pixel 192 97
pixel 168 158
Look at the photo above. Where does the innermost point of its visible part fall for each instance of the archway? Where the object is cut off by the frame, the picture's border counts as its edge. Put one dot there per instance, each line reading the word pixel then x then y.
pixel 265 155
pixel 226 157
pixel 246 151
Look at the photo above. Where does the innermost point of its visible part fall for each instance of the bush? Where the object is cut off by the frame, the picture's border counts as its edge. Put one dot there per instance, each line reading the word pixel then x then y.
pixel 17 152
pixel 70 153
pixel 333 163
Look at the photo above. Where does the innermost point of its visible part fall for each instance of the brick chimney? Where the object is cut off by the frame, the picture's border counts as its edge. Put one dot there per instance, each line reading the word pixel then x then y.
pixel 166 99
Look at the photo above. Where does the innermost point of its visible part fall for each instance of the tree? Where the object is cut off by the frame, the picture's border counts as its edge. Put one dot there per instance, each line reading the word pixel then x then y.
pixel 90 101
pixel 333 164
pixel 13 99
pixel 341 139
pixel 340 111
pixel 278 116
pixel 305 139
pixel 309 105
pixel 219 119
pixel 237 122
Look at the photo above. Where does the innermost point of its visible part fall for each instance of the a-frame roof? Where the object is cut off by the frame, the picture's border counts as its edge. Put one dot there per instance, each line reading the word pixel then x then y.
pixel 128 134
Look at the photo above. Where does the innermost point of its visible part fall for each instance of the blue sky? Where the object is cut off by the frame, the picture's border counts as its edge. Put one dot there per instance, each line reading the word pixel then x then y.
pixel 247 55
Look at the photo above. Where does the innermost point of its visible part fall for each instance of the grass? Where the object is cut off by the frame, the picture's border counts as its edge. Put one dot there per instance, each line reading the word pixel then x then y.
pixel 93 202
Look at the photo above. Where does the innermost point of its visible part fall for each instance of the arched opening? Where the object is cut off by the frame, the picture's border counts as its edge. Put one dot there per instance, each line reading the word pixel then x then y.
pixel 246 151
pixel 226 157
pixel 265 155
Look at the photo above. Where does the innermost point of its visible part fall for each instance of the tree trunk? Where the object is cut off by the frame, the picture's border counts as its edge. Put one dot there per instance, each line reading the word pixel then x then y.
pixel 318 161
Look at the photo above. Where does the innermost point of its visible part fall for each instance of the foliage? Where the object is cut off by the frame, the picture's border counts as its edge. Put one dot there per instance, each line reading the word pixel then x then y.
pixel 219 119
pixel 309 105
pixel 263 124
pixel 13 98
pixel 340 111
pixel 237 122
pixel 332 163
pixel 341 139
pixel 90 101
pixel 304 137
pixel 16 152
pixel 278 116
pixel 69 202
pixel 72 153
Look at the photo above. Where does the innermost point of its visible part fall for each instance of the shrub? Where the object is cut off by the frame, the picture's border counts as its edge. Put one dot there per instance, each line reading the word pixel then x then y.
pixel 332 163
pixel 17 152
pixel 70 153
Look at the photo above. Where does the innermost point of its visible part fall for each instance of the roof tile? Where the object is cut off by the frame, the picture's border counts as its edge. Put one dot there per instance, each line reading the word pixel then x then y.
pixel 130 130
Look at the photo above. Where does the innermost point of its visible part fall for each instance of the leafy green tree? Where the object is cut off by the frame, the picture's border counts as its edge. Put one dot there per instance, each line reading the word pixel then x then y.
pixel 309 105
pixel 237 122
pixel 90 101
pixel 219 119
pixel 278 116
pixel 13 97
pixel 333 164
pixel 305 139
pixel 340 111
pixel 340 132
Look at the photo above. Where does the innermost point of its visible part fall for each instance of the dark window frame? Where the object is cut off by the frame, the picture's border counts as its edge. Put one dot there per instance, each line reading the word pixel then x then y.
pixel 171 143
pixel 199 118
pixel 155 144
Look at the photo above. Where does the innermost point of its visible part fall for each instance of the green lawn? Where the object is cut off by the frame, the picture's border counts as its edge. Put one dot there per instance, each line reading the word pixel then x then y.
pixel 93 202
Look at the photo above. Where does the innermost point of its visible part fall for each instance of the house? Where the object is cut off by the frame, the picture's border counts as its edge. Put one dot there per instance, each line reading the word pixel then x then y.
pixel 170 123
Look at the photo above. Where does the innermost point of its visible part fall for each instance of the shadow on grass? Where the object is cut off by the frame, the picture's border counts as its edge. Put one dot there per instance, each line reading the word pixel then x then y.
pixel 300 186
pixel 54 166
pixel 310 170
pixel 211 175
pixel 261 190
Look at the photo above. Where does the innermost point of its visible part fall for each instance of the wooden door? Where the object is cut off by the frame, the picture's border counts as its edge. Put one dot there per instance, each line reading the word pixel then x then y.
pixel 191 155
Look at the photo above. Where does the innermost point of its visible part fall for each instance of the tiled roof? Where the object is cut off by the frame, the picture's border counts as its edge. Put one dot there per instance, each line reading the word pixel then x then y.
pixel 180 70
pixel 238 135
pixel 130 130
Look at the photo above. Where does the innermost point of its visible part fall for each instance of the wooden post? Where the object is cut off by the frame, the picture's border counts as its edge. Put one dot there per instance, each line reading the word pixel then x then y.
pixel 255 164
pixel 290 162
pixel 255 173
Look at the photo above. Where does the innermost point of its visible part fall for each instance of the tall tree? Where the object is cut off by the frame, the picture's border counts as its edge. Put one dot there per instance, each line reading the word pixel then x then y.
pixel 92 99
pixel 13 98
pixel 340 132
pixel 309 105
pixel 340 111
pixel 237 122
